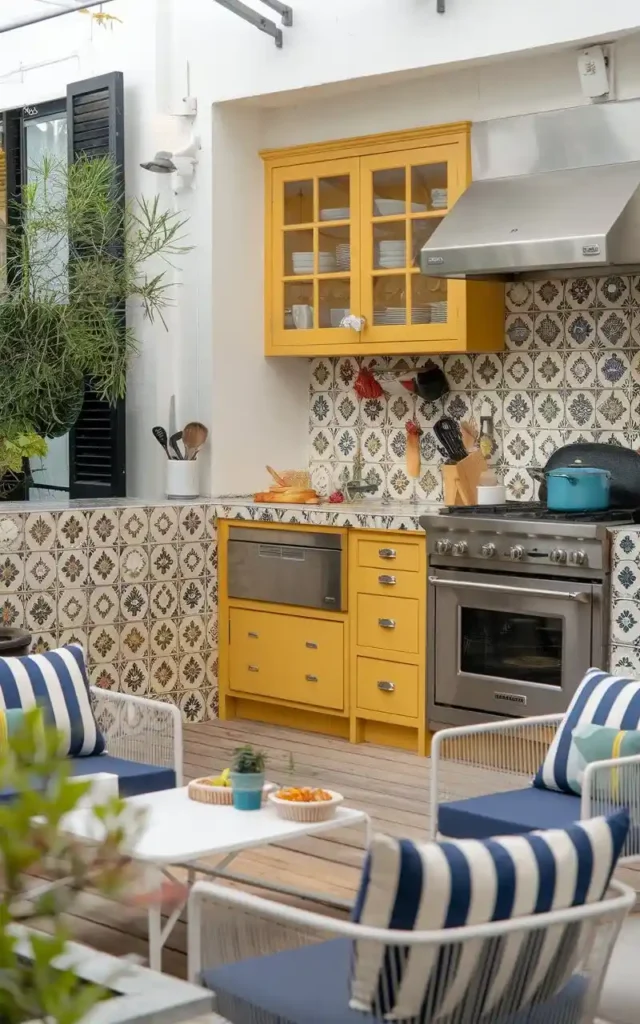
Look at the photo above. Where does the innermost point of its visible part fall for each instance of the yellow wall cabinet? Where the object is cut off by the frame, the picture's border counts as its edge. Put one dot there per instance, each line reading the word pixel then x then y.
pixel 345 222
pixel 360 673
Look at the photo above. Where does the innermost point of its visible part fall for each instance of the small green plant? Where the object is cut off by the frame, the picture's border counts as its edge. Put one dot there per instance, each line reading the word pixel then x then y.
pixel 32 986
pixel 19 444
pixel 247 761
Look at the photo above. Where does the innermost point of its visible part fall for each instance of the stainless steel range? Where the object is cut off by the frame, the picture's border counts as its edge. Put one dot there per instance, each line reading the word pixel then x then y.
pixel 518 601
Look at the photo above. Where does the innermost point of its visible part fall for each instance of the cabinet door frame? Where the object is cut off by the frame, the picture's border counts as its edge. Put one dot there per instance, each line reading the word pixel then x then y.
pixel 436 152
pixel 281 340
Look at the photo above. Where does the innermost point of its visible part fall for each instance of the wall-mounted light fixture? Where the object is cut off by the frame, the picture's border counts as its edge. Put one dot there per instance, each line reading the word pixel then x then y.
pixel 182 164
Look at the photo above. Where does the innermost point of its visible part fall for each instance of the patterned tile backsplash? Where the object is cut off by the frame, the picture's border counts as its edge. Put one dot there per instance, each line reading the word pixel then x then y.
pixel 570 372
pixel 136 586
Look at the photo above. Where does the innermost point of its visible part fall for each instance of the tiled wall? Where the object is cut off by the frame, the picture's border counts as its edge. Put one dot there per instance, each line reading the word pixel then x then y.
pixel 625 602
pixel 136 586
pixel 570 372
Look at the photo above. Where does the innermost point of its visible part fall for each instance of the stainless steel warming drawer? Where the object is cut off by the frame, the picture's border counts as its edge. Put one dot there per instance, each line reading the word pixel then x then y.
pixel 302 568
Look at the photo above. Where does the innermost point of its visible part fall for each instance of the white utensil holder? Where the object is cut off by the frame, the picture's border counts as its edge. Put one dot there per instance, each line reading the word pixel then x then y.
pixel 183 478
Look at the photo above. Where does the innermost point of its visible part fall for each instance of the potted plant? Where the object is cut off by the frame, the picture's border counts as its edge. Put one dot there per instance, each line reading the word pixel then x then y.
pixel 247 778
pixel 78 256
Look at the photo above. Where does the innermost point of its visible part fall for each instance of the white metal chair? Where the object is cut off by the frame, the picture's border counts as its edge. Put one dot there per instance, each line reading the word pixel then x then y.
pixel 481 779
pixel 270 963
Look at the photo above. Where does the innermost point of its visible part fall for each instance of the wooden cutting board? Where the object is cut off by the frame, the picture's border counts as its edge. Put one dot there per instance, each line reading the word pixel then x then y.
pixel 288 496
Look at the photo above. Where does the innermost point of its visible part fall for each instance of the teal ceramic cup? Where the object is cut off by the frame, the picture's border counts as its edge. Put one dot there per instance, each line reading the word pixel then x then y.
pixel 247 790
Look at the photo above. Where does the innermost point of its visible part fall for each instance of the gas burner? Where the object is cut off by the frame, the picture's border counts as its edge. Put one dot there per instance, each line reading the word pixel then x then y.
pixel 536 510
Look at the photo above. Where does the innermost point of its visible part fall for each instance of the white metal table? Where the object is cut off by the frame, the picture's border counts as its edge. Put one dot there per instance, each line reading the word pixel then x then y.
pixel 181 832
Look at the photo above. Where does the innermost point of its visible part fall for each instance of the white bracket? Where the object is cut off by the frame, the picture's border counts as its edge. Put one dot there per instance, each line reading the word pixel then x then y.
pixel 260 22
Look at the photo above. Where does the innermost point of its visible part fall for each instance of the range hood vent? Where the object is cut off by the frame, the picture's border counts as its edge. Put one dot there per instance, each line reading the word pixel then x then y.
pixel 581 219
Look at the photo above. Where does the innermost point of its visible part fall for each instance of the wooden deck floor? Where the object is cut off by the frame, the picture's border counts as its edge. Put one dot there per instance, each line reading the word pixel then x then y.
pixel 391 785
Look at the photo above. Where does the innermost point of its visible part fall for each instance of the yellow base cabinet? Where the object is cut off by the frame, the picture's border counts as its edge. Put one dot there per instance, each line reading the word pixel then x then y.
pixel 345 222
pixel 387 602
pixel 359 673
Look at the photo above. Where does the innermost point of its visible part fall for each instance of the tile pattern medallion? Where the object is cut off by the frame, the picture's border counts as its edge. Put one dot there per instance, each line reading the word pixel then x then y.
pixel 136 586
pixel 570 372
pixel 625 602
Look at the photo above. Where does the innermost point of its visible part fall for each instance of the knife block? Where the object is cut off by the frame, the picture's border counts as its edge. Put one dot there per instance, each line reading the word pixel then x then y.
pixel 460 480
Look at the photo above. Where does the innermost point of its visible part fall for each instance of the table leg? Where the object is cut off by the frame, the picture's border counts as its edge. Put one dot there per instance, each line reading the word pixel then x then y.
pixel 155 937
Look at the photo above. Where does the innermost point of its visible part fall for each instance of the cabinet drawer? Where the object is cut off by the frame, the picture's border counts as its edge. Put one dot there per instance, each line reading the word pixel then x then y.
pixel 387 686
pixel 287 658
pixel 389 582
pixel 389 623
pixel 388 555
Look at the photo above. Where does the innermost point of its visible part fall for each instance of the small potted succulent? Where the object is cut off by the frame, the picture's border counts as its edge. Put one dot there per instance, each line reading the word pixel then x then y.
pixel 247 778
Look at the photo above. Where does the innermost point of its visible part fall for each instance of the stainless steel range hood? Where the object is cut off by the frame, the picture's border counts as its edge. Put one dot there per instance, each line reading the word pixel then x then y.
pixel 551 192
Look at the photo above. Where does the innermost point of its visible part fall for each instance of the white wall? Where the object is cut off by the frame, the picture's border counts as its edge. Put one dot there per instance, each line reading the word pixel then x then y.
pixel 347 67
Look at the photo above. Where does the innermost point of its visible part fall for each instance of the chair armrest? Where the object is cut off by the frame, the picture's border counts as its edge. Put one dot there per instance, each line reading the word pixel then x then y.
pixel 607 786
pixel 226 925
pixel 491 757
pixel 139 729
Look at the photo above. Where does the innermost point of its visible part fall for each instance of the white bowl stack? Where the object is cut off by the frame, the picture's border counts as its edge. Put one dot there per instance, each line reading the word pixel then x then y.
pixel 303 263
pixel 392 253
pixel 395 207
pixel 335 213
pixel 439 198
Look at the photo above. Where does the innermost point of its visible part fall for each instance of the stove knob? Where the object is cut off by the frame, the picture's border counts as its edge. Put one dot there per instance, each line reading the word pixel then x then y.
pixel 443 547
pixel 558 556
pixel 578 558
pixel 460 548
pixel 516 553
pixel 488 550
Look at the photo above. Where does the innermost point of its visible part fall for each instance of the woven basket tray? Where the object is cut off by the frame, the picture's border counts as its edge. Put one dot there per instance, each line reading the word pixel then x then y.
pixel 308 812
pixel 207 794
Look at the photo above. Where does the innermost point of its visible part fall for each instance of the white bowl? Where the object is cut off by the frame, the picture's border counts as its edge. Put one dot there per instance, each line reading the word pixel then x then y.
pixel 335 213
pixel 293 811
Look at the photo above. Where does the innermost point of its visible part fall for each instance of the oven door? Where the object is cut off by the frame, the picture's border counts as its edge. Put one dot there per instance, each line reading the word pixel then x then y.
pixel 510 645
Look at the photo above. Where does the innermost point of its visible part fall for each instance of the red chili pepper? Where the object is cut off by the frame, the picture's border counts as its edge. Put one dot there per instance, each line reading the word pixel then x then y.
pixel 336 498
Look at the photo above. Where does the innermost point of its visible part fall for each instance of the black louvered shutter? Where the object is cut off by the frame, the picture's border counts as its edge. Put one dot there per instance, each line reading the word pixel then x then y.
pixel 97 455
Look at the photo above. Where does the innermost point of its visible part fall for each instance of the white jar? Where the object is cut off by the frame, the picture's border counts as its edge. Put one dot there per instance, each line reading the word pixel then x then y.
pixel 491 495
pixel 182 478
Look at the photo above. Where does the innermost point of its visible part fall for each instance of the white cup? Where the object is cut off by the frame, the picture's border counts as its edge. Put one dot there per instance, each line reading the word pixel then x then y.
pixel 493 495
pixel 182 478
pixel 302 317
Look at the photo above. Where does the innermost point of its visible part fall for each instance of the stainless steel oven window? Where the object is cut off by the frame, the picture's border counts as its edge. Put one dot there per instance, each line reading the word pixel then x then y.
pixel 508 645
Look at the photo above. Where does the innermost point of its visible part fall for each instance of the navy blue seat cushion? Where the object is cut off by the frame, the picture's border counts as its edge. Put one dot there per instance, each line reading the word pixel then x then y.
pixel 311 986
pixel 134 779
pixel 507 814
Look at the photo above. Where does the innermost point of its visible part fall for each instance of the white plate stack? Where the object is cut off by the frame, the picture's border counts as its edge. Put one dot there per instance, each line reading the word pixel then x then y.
pixel 396 316
pixel 343 256
pixel 303 263
pixel 394 207
pixel 392 253
pixel 439 198
pixel 335 213
pixel 438 312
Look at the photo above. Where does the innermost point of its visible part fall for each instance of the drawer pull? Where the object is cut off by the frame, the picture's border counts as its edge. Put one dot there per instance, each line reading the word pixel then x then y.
pixel 387 623
pixel 311 645
pixel 388 553
pixel 253 668
pixel 253 636
pixel 386 686
pixel 311 679
pixel 389 581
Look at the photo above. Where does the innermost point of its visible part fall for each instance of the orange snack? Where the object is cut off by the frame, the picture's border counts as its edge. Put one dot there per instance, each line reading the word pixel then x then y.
pixel 303 795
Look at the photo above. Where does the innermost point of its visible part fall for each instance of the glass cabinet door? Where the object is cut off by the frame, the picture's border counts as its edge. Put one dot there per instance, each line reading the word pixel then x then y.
pixel 315 252
pixel 405 196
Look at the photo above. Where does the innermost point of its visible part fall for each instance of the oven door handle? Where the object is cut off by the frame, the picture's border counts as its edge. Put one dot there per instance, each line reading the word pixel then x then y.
pixel 499 588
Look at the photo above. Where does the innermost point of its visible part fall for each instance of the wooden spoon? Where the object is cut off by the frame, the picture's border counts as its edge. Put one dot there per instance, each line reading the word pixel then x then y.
pixel 469 435
pixel 194 436
pixel 276 476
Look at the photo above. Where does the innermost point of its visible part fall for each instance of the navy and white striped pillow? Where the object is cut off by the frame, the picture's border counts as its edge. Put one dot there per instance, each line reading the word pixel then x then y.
pixel 601 699
pixel 56 681
pixel 434 886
